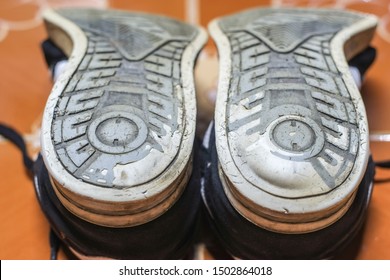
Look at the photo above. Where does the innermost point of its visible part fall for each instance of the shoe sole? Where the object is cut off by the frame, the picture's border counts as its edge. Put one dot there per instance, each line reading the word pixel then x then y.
pixel 119 125
pixel 290 124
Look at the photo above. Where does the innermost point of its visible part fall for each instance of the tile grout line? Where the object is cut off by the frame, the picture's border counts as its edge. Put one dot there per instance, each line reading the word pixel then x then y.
pixel 192 11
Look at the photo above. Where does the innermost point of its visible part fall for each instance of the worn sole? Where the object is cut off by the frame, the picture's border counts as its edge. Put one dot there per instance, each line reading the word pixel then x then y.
pixel 119 124
pixel 291 128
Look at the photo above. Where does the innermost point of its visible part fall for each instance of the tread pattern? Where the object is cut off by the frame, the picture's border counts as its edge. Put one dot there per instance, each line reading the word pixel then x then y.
pixel 285 84
pixel 122 99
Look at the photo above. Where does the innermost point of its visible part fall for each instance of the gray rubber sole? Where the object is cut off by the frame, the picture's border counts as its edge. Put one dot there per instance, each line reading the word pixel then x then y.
pixel 119 125
pixel 291 128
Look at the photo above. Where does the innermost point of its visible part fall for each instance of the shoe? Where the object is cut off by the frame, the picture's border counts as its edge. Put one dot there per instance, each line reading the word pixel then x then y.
pixel 290 173
pixel 115 176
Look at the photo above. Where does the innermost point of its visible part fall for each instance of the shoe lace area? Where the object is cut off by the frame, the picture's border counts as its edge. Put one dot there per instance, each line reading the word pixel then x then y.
pixel 16 138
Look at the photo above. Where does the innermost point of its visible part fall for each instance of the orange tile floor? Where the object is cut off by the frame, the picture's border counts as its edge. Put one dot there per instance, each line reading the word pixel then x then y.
pixel 25 84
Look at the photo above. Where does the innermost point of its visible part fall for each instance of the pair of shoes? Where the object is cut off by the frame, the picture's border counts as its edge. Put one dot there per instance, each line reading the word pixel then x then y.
pixel 287 170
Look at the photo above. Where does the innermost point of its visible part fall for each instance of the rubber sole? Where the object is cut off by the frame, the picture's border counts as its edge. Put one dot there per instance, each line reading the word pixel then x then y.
pixel 291 128
pixel 242 239
pixel 119 125
pixel 170 236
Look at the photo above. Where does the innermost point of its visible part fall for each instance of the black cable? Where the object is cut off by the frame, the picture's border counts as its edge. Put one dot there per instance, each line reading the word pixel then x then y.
pixel 383 164
pixel 15 137
pixel 54 245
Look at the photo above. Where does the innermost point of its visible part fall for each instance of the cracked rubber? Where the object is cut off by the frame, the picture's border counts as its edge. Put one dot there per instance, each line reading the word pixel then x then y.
pixel 291 128
pixel 119 125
